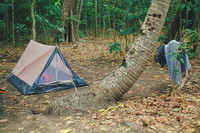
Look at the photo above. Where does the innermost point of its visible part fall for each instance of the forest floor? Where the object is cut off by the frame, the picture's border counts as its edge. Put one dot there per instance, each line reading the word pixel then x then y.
pixel 150 105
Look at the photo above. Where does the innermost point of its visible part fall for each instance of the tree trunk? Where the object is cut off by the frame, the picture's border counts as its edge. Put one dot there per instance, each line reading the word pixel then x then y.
pixel 33 19
pixel 113 87
pixel 6 30
pixel 95 19
pixel 79 11
pixel 71 25
pixel 13 23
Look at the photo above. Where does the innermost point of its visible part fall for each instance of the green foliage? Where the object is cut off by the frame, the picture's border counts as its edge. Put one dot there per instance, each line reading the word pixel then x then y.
pixel 21 28
pixel 190 5
pixel 190 41
pixel 115 48
pixel 163 39
pixel 4 7
pixel 2 25
pixel 81 33
pixel 58 38
pixel 122 16
pixel 197 6
pixel 48 19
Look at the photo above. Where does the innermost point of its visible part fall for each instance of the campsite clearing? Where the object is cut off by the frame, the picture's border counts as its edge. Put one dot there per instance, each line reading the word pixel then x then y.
pixel 149 105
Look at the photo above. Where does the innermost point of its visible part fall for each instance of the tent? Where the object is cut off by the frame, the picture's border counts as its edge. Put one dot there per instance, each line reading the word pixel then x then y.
pixel 43 68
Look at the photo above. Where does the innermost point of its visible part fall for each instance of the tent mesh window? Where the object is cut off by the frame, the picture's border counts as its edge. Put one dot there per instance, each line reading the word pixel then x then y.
pixel 56 72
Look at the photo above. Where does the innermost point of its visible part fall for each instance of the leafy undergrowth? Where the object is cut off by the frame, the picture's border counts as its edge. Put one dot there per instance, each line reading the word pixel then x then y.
pixel 168 111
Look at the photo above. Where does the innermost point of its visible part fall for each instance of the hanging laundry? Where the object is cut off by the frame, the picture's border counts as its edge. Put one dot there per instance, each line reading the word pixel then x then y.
pixel 175 66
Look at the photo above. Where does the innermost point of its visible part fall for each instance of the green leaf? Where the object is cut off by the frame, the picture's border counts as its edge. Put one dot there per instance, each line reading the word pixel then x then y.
pixel 176 109
pixel 182 6
pixel 102 110
pixel 154 95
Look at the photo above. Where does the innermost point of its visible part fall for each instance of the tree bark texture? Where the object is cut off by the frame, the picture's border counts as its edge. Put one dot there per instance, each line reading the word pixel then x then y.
pixel 113 87
pixel 33 19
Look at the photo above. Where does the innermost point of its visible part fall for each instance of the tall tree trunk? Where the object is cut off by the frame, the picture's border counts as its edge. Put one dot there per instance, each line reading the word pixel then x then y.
pixel 79 11
pixel 13 23
pixel 33 19
pixel 69 11
pixel 113 87
pixel 95 18
pixel 6 30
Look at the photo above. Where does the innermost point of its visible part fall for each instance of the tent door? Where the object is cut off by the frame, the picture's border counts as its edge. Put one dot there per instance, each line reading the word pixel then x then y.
pixel 56 72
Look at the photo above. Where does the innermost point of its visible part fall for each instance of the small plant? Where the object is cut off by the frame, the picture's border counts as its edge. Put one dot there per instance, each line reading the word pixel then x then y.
pixel 21 28
pixel 58 38
pixel 189 42
pixel 115 48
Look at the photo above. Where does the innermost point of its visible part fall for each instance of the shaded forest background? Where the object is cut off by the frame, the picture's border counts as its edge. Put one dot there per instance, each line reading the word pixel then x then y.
pixel 63 21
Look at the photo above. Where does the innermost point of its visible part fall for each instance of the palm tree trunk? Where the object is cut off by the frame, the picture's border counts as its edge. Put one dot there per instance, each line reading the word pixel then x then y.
pixel 113 87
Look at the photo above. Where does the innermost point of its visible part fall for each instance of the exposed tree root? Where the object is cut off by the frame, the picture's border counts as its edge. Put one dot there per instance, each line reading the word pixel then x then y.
pixel 78 103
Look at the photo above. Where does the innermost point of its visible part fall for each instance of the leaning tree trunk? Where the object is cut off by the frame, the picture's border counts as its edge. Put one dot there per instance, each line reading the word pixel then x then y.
pixel 113 87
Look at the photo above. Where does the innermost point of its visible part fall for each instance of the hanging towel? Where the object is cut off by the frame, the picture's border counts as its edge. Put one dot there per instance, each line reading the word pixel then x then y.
pixel 175 67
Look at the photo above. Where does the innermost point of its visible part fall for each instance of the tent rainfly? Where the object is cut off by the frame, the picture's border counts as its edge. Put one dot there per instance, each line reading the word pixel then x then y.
pixel 43 68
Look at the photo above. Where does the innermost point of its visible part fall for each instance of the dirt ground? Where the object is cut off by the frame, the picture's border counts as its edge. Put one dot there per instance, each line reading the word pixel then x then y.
pixel 149 106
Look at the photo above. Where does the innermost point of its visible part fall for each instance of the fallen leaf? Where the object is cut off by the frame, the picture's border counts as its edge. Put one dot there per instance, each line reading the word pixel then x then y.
pixel 21 128
pixel 154 95
pixel 103 128
pixel 125 109
pixel 68 118
pixel 66 131
pixel 70 122
pixel 176 109
pixel 3 91
pixel 4 120
pixel 38 111
pixel 105 122
pixel 101 110
pixel 121 105
pixel 42 127
pixel 127 129
pixel 190 130
pixel 46 96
